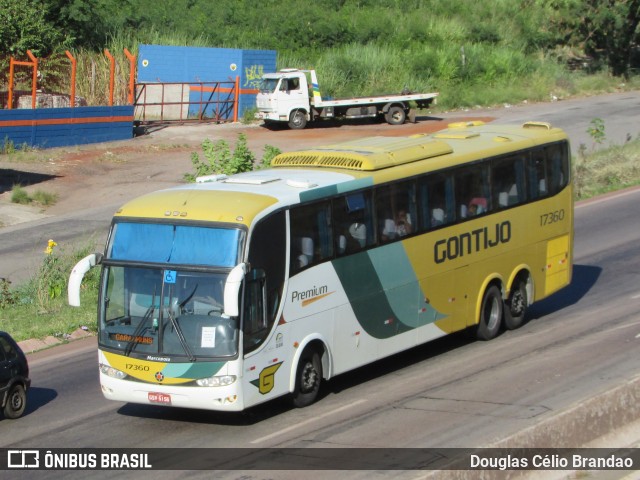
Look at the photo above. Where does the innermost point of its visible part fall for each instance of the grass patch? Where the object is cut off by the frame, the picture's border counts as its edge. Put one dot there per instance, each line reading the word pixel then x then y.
pixel 606 170
pixel 45 199
pixel 19 195
pixel 39 307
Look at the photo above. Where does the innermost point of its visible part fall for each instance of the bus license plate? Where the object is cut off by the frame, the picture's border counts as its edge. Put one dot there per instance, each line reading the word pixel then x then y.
pixel 162 398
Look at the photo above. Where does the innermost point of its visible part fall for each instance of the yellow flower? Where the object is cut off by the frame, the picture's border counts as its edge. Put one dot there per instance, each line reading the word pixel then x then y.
pixel 50 245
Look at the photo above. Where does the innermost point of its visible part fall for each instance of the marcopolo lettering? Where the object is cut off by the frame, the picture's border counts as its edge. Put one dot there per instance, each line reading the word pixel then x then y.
pixel 471 242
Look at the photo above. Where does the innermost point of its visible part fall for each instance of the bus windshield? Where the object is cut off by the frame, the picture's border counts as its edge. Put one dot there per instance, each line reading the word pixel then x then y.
pixel 175 244
pixel 166 313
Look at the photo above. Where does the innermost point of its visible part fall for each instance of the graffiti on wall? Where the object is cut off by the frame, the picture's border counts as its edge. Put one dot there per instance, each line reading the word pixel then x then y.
pixel 253 76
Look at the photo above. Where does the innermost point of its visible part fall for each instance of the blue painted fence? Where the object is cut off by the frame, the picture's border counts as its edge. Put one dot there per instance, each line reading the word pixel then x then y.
pixel 58 127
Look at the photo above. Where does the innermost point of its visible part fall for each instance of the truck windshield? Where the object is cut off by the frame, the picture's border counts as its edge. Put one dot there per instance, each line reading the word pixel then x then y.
pixel 268 85
pixel 175 313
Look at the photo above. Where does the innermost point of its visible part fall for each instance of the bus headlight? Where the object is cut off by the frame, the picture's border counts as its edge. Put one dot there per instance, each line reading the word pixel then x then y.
pixel 112 372
pixel 216 381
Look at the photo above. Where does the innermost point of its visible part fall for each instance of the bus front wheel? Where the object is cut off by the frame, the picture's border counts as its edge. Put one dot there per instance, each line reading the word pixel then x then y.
pixel 490 314
pixel 308 378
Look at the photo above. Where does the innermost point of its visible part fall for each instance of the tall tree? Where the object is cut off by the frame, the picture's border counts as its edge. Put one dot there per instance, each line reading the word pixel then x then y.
pixel 610 31
pixel 24 26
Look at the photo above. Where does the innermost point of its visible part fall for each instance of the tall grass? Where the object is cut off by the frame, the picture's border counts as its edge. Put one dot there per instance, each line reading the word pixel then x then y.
pixel 607 170
pixel 473 53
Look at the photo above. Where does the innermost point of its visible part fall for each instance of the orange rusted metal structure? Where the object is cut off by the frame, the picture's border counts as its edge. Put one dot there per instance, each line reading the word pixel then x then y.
pixel 72 98
pixel 34 78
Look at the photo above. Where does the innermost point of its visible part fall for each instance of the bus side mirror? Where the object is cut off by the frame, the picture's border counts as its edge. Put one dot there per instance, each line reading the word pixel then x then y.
pixel 232 289
pixel 77 274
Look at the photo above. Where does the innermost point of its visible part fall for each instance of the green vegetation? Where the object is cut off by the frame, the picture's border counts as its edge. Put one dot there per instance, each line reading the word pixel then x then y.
pixel 38 308
pixel 218 158
pixel 474 53
pixel 606 170
pixel 20 195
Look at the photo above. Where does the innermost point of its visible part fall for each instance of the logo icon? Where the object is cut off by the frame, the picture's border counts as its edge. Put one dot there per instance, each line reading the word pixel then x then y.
pixel 159 376
pixel 267 379
pixel 23 459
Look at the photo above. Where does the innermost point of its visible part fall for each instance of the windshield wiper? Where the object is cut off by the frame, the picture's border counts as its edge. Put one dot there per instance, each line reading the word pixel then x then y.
pixel 141 326
pixel 180 335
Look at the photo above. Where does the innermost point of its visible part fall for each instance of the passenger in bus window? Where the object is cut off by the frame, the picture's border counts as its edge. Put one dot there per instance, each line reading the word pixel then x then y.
pixel 403 224
pixel 388 230
pixel 437 217
pixel 357 232
pixel 477 206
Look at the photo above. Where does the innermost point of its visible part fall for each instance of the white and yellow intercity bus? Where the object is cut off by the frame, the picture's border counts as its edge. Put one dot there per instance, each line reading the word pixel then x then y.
pixel 235 290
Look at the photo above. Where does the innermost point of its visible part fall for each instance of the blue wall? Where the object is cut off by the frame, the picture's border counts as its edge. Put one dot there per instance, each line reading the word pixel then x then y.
pixel 158 63
pixel 58 127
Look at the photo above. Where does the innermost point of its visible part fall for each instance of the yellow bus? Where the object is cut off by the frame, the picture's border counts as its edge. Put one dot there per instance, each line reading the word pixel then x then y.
pixel 233 291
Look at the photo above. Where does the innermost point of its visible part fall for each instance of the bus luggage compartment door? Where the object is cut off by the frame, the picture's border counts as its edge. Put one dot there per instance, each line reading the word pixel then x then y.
pixel 557 267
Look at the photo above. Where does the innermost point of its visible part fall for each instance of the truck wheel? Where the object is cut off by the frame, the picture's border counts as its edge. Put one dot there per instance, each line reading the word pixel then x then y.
pixel 395 116
pixel 297 120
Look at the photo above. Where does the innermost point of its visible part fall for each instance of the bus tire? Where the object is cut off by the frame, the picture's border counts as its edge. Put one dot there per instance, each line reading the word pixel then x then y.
pixel 490 314
pixel 16 402
pixel 308 379
pixel 395 116
pixel 516 306
pixel 297 120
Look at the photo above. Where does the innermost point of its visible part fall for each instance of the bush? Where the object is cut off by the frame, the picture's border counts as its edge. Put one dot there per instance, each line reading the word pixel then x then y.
pixel 20 195
pixel 218 158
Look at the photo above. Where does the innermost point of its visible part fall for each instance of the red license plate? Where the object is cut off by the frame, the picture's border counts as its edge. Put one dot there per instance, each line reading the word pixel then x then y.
pixel 162 398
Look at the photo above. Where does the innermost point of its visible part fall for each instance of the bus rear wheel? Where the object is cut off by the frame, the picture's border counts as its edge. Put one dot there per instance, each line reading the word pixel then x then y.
pixel 490 314
pixel 516 306
pixel 308 379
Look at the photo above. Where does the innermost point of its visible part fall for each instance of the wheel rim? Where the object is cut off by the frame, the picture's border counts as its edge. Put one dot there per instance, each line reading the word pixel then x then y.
pixel 492 313
pixel 297 118
pixel 309 377
pixel 396 115
pixel 517 303
pixel 16 401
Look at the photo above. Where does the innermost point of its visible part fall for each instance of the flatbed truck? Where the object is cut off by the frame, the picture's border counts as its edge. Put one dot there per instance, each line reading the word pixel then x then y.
pixel 293 96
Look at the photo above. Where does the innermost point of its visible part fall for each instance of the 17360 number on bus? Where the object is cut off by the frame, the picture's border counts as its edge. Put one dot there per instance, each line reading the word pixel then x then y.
pixel 551 217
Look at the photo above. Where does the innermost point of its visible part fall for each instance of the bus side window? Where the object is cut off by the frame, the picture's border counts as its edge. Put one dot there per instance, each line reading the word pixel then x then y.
pixel 472 191
pixel 557 167
pixel 440 199
pixel 537 174
pixel 354 226
pixel 396 211
pixel 507 181
pixel 311 235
